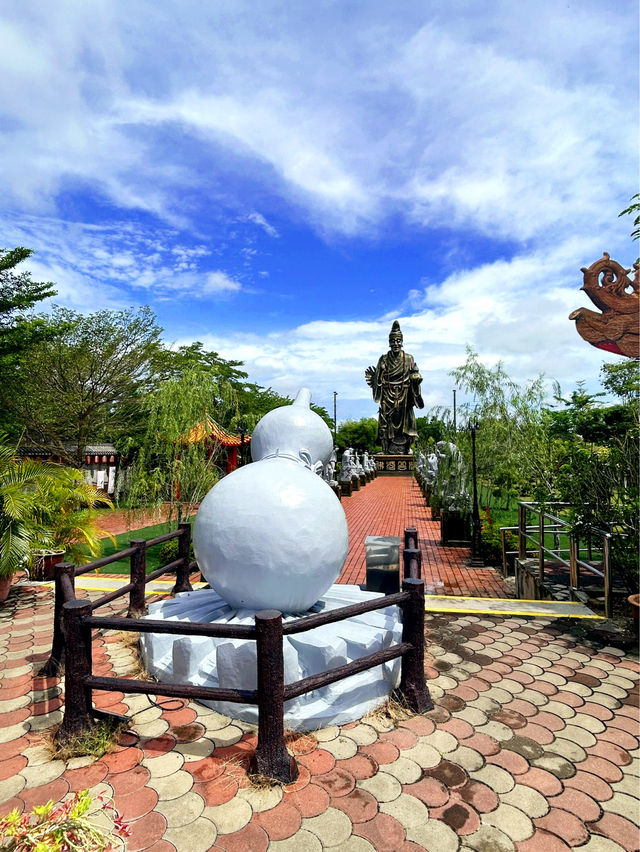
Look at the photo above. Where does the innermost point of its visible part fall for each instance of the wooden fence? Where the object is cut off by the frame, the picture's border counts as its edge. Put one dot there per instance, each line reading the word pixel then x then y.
pixel 75 620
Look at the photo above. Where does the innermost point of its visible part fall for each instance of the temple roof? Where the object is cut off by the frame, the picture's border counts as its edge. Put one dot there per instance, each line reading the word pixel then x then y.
pixel 208 428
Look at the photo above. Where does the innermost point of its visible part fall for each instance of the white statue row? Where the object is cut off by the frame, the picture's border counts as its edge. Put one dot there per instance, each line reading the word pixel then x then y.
pixel 446 471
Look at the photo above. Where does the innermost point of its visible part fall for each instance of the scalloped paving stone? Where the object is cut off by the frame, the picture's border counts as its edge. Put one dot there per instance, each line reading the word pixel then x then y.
pixel 618 829
pixel 280 822
pixel 358 805
pixel 441 741
pixel 325 734
pixel 511 821
pixel 595 787
pixel 172 786
pixel 431 791
pixel 628 784
pixel 405 770
pixel 543 840
pixel 251 838
pixel 184 810
pixel 611 752
pixel 383 786
pixel 145 831
pixel 514 763
pixel 342 748
pixel 225 737
pixel 197 836
pixel 528 800
pixel 458 815
pixel 468 758
pixel 624 805
pixel 479 795
pixel 564 825
pixel 318 762
pixel 310 801
pixel 567 750
pixel 408 810
pixel 482 743
pixel 472 715
pixel 337 782
pixel 498 779
pixel 363 734
pixel 44 773
pixel 262 798
pixel 332 827
pixel 434 835
pixel 197 750
pixel 303 841
pixel 602 768
pixel 401 738
pixel 423 754
pixel 10 787
pixel 360 766
pixel 230 816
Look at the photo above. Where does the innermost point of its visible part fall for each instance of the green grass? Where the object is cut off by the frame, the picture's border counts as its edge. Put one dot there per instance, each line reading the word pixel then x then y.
pixel 122 542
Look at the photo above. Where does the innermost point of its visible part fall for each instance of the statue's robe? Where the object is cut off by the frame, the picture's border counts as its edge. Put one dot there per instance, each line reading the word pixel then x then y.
pixel 396 386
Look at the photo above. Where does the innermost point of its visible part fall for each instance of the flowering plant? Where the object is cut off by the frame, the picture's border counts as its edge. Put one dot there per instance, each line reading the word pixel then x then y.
pixel 63 828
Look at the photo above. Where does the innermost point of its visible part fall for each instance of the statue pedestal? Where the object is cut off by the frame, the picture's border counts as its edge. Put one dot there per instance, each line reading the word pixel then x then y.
pixel 394 464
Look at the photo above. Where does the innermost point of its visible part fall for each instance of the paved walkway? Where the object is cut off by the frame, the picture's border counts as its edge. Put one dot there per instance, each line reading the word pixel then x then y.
pixel 533 746
pixel 385 507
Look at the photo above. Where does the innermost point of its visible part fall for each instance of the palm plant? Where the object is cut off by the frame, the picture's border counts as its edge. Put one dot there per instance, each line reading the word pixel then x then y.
pixel 44 506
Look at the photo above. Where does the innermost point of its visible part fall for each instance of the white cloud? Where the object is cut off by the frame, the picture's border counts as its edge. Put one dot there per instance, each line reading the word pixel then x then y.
pixel 258 219
pixel 220 282
pixel 515 312
pixel 492 116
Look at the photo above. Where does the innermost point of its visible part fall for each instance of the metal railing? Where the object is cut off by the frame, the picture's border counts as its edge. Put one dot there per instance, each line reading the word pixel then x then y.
pixel 271 757
pixel 567 547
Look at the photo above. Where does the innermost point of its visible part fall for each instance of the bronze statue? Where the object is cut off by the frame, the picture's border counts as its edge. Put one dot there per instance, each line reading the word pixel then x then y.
pixel 395 383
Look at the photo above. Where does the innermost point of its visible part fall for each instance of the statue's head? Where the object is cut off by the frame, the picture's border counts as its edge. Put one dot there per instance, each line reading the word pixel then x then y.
pixel 395 337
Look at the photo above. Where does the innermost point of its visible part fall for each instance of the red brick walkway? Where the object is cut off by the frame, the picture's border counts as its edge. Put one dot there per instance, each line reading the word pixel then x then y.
pixel 385 507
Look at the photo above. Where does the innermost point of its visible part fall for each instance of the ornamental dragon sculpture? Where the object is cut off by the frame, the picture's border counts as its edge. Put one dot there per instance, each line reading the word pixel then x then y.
pixel 617 328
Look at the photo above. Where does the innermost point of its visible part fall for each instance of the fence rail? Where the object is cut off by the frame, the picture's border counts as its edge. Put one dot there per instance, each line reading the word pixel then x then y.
pixel 75 621
pixel 532 540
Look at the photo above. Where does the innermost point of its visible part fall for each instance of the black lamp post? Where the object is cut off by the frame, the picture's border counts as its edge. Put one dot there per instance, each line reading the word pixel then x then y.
pixel 455 429
pixel 335 420
pixel 476 560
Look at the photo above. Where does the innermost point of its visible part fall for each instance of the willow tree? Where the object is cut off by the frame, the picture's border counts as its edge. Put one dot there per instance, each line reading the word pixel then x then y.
pixel 515 454
pixel 175 465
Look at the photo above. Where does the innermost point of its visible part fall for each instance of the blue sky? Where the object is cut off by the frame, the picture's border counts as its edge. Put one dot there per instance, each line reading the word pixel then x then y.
pixel 282 180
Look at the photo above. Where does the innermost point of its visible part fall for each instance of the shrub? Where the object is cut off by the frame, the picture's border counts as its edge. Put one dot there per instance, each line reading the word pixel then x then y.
pixel 169 551
pixel 491 540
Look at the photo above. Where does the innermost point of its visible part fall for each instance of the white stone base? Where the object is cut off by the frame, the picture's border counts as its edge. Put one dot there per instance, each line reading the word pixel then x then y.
pixel 231 663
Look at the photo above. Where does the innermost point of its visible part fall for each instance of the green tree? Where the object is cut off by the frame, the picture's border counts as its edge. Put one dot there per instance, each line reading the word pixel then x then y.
pixel 18 295
pixel 174 462
pixel 86 385
pixel 360 434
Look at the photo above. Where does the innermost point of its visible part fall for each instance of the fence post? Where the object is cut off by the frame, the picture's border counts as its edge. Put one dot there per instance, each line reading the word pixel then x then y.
pixel 541 546
pixel 271 757
pixel 412 560
pixel 412 683
pixel 53 665
pixel 138 576
pixel 574 578
pixel 606 570
pixel 522 531
pixel 182 571
pixel 77 698
pixel 411 537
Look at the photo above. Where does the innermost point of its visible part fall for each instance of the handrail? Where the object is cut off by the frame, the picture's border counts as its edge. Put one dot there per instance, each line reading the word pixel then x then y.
pixel 561 527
